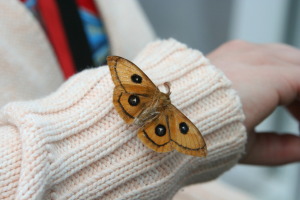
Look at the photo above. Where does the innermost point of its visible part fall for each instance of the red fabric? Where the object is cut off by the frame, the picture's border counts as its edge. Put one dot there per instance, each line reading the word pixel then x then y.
pixel 52 21
pixel 88 5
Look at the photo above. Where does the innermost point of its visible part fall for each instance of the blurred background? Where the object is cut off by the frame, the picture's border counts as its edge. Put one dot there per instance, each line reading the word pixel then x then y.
pixel 204 25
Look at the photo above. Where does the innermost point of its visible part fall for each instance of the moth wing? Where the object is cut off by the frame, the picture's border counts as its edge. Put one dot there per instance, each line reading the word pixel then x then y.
pixel 157 142
pixel 121 99
pixel 185 136
pixel 130 80
pixel 124 72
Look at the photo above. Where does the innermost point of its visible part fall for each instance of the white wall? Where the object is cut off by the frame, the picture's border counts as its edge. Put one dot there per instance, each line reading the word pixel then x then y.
pixel 260 21
pixel 201 24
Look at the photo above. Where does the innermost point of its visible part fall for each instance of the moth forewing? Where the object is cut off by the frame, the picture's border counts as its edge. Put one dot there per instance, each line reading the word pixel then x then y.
pixel 125 72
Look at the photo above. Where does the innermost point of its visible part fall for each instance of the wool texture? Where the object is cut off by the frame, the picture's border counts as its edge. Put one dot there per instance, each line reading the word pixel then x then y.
pixel 28 67
pixel 72 144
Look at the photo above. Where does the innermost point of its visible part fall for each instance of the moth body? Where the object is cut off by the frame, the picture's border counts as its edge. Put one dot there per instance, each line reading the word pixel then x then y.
pixel 160 102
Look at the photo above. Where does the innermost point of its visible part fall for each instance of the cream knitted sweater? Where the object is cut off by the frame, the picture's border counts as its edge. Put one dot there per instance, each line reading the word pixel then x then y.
pixel 72 144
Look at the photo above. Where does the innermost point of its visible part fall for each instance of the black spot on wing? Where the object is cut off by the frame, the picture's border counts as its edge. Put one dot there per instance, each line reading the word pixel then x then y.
pixel 123 107
pixel 133 100
pixel 160 130
pixel 184 128
pixel 136 78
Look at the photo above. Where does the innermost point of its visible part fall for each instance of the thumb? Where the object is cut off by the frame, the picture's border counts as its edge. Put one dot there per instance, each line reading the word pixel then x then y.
pixel 270 148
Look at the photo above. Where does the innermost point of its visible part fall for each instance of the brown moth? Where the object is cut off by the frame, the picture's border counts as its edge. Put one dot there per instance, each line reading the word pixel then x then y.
pixel 163 127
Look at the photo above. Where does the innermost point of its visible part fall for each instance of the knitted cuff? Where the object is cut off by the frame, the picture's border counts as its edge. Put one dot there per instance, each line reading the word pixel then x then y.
pixel 204 94
pixel 75 145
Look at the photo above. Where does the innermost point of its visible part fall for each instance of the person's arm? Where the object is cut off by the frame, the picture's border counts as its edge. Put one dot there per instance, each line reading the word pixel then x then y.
pixel 72 144
pixel 265 76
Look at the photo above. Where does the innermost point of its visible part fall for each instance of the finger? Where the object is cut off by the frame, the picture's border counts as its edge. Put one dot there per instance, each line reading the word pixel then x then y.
pixel 273 149
pixel 294 109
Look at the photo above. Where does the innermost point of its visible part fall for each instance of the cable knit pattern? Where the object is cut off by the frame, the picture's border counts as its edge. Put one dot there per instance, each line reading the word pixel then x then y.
pixel 72 144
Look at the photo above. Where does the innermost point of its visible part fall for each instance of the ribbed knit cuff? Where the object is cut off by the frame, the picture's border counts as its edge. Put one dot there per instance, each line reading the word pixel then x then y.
pixel 204 94
pixel 75 146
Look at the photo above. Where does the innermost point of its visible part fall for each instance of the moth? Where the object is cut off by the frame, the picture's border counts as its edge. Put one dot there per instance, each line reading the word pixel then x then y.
pixel 163 127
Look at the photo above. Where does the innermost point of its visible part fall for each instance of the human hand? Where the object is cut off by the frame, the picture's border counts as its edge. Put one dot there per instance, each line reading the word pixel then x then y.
pixel 265 76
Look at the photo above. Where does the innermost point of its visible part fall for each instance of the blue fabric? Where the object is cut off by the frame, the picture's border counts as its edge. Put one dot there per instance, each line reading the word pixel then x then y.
pixel 96 36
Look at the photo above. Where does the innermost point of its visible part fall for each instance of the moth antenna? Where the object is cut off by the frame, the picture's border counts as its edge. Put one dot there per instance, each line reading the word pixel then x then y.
pixel 168 86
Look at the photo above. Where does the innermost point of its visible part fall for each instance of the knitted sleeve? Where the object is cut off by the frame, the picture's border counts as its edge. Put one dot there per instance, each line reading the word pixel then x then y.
pixel 72 144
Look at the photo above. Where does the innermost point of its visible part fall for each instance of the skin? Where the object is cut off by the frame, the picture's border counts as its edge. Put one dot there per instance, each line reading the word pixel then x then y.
pixel 265 76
